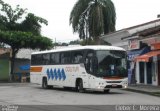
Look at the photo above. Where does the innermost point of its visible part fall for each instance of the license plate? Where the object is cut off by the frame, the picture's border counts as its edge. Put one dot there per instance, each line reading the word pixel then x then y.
pixel 114 85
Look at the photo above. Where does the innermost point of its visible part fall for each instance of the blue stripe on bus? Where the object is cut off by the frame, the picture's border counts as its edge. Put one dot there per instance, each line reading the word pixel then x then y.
pixel 56 74
pixel 59 74
pixel 63 74
pixel 52 74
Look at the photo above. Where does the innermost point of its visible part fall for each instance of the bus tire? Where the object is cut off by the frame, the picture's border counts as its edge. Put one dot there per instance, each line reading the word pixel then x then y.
pixel 44 83
pixel 107 91
pixel 80 86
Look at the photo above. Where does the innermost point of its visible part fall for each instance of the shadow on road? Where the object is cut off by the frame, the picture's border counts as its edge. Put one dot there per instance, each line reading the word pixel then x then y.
pixel 72 90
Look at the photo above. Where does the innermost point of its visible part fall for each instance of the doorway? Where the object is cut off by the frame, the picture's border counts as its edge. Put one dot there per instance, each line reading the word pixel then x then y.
pixel 149 72
pixel 141 71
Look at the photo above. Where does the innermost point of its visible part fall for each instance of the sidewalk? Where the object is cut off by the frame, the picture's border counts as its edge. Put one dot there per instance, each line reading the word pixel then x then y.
pixel 15 84
pixel 147 89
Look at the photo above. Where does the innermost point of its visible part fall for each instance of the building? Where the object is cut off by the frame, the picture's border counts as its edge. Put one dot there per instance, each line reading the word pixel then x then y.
pixel 21 65
pixel 4 64
pixel 142 43
pixel 21 69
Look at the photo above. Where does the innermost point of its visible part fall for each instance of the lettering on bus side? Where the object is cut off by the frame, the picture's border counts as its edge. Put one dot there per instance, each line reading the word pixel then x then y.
pixel 72 69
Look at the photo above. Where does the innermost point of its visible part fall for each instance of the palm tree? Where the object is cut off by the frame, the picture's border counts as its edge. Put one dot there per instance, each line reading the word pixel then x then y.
pixel 92 18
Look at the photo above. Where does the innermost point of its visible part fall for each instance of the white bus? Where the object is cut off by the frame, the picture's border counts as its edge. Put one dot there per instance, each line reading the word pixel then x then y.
pixel 85 67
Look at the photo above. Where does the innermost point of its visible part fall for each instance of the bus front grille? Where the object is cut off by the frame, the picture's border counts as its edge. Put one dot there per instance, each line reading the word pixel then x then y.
pixel 114 81
pixel 113 86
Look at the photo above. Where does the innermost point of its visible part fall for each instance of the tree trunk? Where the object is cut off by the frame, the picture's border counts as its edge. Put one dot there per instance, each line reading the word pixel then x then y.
pixel 96 2
pixel 97 41
pixel 14 51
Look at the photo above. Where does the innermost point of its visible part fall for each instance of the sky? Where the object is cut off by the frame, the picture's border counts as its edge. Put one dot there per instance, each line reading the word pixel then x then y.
pixel 129 13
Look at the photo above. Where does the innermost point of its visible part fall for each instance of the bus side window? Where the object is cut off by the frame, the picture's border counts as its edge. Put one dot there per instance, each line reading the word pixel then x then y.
pixel 57 58
pixel 65 57
pixel 39 59
pixel 88 62
pixel 33 60
pixel 54 58
pixel 77 57
pixel 43 60
pixel 52 61
pixel 47 59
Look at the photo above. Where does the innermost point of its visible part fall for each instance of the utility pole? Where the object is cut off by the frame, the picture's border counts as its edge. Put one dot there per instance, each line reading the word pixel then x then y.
pixel 55 43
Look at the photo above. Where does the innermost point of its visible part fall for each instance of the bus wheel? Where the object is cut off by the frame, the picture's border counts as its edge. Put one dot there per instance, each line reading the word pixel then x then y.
pixel 44 83
pixel 107 91
pixel 80 86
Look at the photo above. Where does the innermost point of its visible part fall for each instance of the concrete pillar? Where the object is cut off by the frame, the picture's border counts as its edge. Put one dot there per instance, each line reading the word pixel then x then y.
pixel 145 73
pixel 137 72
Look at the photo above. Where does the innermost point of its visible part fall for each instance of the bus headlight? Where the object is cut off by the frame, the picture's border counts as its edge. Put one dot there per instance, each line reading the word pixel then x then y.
pixel 125 86
pixel 100 87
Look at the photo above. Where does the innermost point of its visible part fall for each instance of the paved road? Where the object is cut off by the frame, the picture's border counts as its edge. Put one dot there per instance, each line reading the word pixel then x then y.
pixel 30 94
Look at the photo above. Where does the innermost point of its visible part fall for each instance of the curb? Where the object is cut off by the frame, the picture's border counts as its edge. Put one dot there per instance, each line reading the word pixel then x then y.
pixel 157 94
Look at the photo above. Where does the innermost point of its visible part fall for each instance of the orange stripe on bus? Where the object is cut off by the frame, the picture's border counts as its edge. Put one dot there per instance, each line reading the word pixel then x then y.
pixel 113 78
pixel 35 69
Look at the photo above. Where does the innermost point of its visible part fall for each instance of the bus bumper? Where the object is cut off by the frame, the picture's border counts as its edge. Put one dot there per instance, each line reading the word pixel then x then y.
pixel 102 87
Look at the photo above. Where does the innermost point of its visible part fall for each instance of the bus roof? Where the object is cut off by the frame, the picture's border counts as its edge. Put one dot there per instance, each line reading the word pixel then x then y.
pixel 94 47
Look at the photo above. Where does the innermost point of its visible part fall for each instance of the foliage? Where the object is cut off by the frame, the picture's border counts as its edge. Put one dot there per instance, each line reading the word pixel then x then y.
pixel 9 16
pixel 18 39
pixel 24 34
pixel 20 33
pixel 92 18
pixel 61 44
pixel 75 42
pixel 32 23
pixel 88 42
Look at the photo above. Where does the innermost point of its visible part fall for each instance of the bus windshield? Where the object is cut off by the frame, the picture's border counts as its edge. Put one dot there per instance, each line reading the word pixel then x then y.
pixel 111 63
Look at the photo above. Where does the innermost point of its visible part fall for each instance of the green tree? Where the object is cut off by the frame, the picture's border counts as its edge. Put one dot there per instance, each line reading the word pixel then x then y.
pixel 24 34
pixel 32 24
pixel 92 18
pixel 74 42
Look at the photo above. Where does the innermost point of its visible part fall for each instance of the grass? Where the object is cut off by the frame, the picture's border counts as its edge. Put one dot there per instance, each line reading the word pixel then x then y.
pixel 156 94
